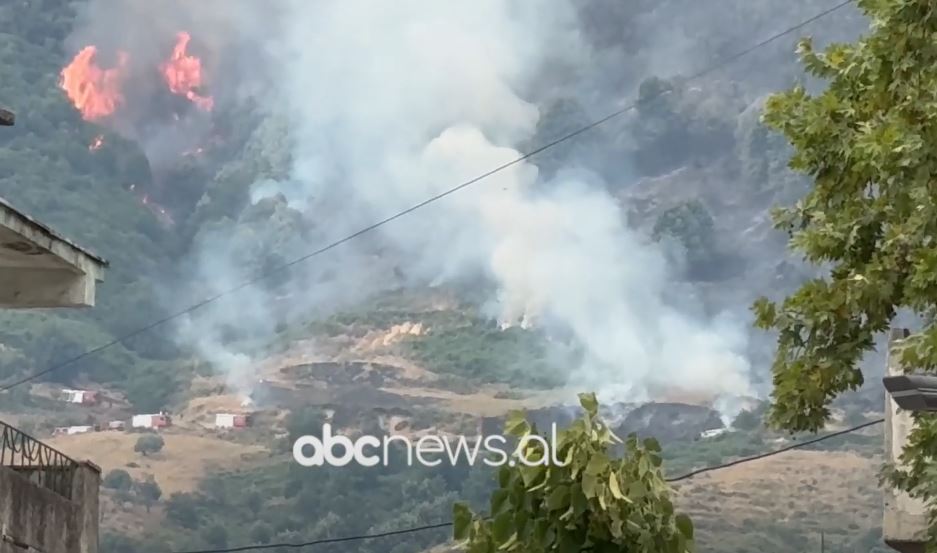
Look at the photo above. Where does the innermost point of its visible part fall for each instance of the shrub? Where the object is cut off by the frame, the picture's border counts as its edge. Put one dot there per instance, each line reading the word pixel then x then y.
pixel 151 443
pixel 118 479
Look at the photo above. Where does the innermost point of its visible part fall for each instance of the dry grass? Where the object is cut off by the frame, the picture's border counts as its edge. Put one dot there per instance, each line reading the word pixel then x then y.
pixel 483 403
pixel 797 487
pixel 125 517
pixel 177 468
pixel 200 412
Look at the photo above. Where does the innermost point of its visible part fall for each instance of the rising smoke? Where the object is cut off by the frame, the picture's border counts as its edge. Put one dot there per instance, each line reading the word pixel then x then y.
pixel 389 103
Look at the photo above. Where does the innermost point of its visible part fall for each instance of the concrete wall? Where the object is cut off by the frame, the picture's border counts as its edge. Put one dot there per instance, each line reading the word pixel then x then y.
pixel 36 519
pixel 905 524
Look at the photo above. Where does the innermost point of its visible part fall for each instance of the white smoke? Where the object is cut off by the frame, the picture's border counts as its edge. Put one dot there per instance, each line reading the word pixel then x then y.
pixel 390 103
pixel 395 102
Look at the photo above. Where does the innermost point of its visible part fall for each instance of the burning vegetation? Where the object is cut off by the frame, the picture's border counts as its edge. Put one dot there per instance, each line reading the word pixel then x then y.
pixel 94 91
pixel 98 93
pixel 183 74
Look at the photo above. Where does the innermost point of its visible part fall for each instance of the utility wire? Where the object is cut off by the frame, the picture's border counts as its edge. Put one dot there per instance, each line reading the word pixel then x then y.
pixel 416 529
pixel 718 65
pixel 775 452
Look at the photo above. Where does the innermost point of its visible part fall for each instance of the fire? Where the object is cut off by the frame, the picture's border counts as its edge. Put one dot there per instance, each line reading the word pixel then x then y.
pixel 183 73
pixel 96 143
pixel 94 91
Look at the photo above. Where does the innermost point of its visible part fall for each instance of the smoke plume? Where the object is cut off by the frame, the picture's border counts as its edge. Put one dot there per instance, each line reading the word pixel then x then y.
pixel 389 103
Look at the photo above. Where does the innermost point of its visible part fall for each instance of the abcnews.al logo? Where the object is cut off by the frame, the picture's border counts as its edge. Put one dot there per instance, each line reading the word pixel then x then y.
pixel 328 449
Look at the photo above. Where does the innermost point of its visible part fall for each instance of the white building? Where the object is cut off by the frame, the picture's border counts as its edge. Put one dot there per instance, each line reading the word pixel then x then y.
pixel 231 420
pixel 157 420
pixel 84 397
pixel 69 430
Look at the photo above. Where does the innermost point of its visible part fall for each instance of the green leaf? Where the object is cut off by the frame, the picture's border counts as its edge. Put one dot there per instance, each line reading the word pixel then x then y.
pixel 644 466
pixel 589 486
pixel 511 542
pixel 589 403
pixel 636 490
pixel 504 476
pixel 651 444
pixel 461 521
pixel 598 463
pixel 568 543
pixel 578 499
pixel 532 475
pixel 684 525
pixel 502 527
pixel 499 500
pixel 559 498
pixel 516 424
pixel 613 486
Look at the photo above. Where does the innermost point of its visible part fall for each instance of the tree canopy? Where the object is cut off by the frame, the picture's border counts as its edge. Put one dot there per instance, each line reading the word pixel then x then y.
pixel 870 144
pixel 591 501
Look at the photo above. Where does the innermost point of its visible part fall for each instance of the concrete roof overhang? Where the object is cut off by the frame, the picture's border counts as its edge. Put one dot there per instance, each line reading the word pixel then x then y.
pixel 39 268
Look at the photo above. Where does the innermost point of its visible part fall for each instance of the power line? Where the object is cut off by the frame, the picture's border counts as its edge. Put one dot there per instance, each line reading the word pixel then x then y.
pixel 416 529
pixel 264 274
pixel 775 452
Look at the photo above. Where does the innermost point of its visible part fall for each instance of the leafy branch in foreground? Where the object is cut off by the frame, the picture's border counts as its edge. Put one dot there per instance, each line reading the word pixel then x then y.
pixel 587 501
pixel 869 142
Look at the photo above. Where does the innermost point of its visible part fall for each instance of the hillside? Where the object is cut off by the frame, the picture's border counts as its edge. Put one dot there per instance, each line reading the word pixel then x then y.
pixel 235 149
pixel 200 468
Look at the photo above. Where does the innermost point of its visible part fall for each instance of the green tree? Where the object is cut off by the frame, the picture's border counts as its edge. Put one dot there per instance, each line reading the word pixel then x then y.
pixel 150 443
pixel 216 535
pixel 868 142
pixel 590 501
pixel 118 479
pixel 150 492
pixel 747 420
pixel 181 509
pixel 692 226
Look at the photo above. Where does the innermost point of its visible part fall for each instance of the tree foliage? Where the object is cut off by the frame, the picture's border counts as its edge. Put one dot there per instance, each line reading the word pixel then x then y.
pixel 149 444
pixel 118 479
pixel 149 491
pixel 677 124
pixel 590 501
pixel 869 143
pixel 692 226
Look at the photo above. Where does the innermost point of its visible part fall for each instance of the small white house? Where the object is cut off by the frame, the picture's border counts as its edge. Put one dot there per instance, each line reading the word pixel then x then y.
pixel 231 420
pixel 158 420
pixel 84 397
pixel 70 430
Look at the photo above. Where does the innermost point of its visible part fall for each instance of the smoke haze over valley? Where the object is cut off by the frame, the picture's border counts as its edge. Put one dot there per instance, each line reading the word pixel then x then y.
pixel 220 153
pixel 370 123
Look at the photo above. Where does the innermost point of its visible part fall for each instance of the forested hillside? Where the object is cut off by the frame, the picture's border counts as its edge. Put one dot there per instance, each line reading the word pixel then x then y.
pixel 623 260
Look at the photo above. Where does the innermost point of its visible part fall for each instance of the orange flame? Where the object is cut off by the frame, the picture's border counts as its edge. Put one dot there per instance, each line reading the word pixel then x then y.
pixel 95 92
pixel 96 143
pixel 183 73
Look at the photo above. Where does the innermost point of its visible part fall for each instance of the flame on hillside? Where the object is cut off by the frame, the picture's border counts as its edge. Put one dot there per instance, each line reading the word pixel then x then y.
pixel 94 91
pixel 97 92
pixel 96 143
pixel 183 73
